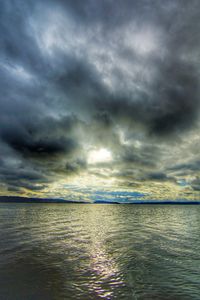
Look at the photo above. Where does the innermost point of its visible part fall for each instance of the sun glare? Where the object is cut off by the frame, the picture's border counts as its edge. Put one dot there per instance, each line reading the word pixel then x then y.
pixel 99 156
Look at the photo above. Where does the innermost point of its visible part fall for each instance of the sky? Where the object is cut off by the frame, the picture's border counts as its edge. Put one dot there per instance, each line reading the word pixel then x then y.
pixel 100 99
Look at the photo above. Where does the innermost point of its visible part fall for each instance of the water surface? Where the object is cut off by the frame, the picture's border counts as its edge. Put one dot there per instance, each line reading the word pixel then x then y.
pixel 78 251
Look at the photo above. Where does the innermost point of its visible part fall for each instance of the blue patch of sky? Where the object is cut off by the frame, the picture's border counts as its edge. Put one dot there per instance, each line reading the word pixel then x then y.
pixel 105 195
pixel 182 182
pixel 119 196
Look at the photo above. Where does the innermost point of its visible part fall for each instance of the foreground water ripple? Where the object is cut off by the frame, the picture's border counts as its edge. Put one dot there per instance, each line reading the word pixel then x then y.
pixel 57 251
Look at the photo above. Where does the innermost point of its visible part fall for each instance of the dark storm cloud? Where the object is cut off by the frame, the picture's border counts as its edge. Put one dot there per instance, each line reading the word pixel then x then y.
pixel 77 72
pixel 158 176
pixel 43 146
pixel 18 44
pixel 179 99
pixel 37 136
pixel 143 155
pixel 32 148
pixel 187 167
pixel 170 104
pixel 75 166
pixel 22 176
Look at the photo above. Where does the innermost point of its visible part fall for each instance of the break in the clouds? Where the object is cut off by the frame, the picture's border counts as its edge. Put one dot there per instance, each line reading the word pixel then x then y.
pixel 100 95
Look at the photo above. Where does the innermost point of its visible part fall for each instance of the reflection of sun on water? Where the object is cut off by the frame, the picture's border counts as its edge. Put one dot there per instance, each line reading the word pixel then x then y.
pixel 106 274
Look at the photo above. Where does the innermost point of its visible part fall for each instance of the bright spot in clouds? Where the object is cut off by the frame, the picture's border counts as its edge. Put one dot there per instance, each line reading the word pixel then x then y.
pixel 99 156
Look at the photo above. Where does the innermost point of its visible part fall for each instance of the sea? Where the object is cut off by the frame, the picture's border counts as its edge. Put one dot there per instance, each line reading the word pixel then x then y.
pixel 99 251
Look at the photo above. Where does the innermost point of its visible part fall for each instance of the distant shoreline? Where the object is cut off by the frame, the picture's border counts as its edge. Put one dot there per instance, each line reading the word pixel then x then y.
pixel 17 199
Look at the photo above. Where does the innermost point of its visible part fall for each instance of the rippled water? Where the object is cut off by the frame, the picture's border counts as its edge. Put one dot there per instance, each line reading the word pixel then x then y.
pixel 86 252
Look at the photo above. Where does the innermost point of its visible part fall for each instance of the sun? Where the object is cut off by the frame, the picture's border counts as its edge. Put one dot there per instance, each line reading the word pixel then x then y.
pixel 99 156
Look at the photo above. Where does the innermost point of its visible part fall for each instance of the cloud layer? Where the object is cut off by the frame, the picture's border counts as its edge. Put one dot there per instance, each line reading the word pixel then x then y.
pixel 82 76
